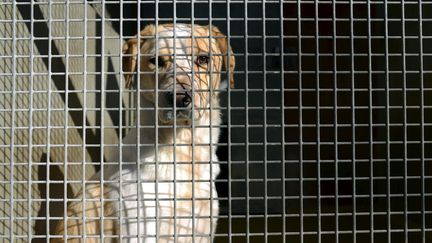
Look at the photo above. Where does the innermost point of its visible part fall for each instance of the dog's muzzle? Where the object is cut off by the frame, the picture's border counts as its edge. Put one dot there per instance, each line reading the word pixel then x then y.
pixel 181 104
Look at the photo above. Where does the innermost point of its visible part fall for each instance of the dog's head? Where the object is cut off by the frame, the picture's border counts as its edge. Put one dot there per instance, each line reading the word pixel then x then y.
pixel 180 68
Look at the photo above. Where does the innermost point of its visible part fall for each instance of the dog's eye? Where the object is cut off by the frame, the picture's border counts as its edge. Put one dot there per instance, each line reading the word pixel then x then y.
pixel 159 60
pixel 202 60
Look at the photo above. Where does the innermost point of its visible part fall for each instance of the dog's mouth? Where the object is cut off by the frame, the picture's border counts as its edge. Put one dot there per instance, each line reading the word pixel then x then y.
pixel 179 117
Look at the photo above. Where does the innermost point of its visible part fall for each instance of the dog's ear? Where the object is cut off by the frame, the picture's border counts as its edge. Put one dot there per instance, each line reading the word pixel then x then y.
pixel 131 50
pixel 225 48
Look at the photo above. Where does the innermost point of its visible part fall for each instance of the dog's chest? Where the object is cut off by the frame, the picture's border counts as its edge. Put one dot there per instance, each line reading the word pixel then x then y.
pixel 166 199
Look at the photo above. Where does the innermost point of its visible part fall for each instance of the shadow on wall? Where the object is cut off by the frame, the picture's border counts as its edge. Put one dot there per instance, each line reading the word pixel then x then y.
pixel 55 207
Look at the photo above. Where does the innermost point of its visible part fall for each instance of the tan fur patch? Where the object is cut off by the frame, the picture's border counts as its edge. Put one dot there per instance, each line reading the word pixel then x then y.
pixel 90 217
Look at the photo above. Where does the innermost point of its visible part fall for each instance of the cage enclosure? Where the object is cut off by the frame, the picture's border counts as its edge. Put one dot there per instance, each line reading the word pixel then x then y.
pixel 326 136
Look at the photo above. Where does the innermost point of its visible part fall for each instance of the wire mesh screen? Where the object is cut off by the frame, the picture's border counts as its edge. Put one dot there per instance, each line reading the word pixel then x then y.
pixel 324 136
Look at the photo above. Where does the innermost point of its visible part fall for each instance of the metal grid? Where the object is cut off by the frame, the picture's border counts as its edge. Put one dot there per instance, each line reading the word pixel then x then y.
pixel 325 138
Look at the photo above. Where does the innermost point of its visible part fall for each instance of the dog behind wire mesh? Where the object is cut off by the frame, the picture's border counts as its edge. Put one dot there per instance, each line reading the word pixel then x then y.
pixel 164 190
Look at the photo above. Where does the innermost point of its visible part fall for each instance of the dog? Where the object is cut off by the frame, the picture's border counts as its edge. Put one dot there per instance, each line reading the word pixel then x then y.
pixel 164 190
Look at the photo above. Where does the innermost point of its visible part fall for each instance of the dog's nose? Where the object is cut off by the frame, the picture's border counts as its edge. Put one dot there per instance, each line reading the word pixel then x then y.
pixel 182 99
